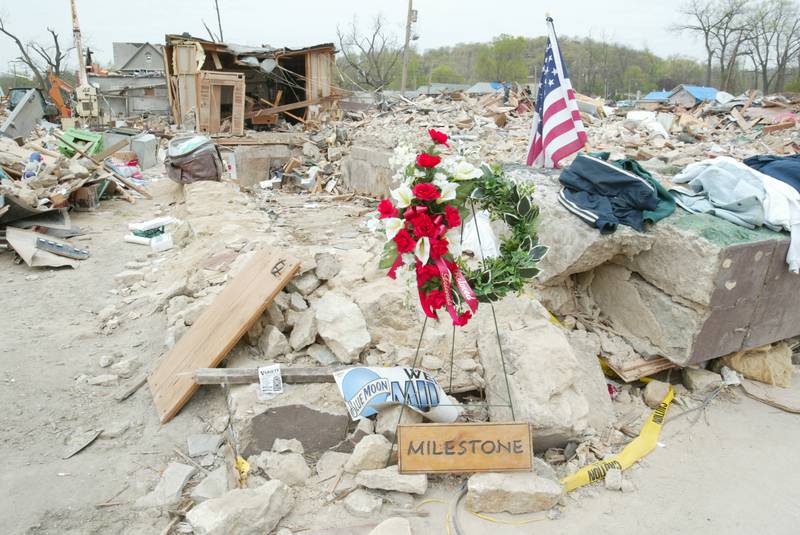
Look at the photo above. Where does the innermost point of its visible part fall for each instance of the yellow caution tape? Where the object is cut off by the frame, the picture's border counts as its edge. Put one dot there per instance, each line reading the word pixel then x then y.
pixel 638 448
pixel 507 522
pixel 243 467
pixel 447 516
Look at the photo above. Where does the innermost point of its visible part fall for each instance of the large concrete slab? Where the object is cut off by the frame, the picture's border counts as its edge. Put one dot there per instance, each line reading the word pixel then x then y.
pixel 691 288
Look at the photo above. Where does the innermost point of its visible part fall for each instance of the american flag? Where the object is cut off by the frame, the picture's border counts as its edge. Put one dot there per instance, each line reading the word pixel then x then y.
pixel 557 128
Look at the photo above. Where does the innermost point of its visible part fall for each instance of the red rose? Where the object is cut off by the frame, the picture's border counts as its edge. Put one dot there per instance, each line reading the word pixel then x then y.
pixel 438 248
pixel 436 299
pixel 405 243
pixel 387 209
pixel 423 226
pixel 426 191
pixel 428 160
pixel 452 216
pixel 463 319
pixel 438 137
pixel 426 273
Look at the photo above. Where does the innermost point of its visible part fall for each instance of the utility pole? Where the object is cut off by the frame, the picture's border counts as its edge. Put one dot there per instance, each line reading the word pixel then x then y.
pixel 409 20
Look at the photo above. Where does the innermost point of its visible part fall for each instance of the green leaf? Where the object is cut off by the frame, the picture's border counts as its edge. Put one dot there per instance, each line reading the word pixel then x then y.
pixel 524 206
pixel 538 252
pixel 389 255
pixel 478 194
pixel 529 273
pixel 510 219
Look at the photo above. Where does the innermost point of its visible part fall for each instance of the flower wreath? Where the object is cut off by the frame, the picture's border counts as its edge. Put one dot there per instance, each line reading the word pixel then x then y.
pixel 422 229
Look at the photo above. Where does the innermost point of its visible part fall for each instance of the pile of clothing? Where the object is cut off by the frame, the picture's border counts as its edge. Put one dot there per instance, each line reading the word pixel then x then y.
pixel 746 194
pixel 605 194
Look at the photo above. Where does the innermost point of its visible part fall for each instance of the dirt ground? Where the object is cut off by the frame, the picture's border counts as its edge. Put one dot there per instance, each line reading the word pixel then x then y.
pixel 731 472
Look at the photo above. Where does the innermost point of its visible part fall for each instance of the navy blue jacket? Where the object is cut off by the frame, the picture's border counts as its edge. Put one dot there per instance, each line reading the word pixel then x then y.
pixel 605 195
pixel 784 168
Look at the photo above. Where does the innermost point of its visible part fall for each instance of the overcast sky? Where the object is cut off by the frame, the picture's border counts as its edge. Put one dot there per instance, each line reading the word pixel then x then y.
pixel 298 23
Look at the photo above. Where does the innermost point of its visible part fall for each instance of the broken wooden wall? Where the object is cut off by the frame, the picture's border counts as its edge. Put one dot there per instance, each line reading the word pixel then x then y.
pixel 209 99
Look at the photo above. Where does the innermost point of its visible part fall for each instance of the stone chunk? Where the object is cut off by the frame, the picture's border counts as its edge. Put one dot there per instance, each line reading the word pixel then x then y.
pixel 370 453
pixel 392 526
pixel 297 303
pixel 305 283
pixel 243 511
pixel 388 417
pixel 213 486
pixel 363 503
pixel 274 316
pixel 273 343
pixel 283 445
pixel 311 151
pixel 614 479
pixel 168 490
pixel 321 354
pixel 515 492
pixel 291 468
pixel 327 266
pixel 771 365
pixel 700 380
pixel 341 324
pixel 654 393
pixel 129 277
pixel 203 444
pixel 331 463
pixel 390 479
pixel 304 331
pixel 106 379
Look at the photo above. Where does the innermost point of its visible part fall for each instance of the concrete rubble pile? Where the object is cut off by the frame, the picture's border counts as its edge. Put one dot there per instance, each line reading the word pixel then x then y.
pixel 296 462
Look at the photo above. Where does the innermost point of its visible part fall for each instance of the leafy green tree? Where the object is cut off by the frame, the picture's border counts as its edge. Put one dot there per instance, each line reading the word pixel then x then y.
pixel 504 60
pixel 445 74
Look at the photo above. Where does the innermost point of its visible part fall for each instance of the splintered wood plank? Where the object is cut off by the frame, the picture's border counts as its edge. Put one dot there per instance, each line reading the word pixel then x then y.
pixel 218 329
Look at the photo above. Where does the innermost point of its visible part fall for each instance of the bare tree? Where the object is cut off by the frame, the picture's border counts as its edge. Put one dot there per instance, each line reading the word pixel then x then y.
pixel 372 56
pixel 787 40
pixel 702 20
pixel 730 34
pixel 49 57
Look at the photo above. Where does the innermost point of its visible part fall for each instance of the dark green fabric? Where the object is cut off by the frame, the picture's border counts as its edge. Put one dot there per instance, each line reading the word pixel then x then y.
pixel 666 202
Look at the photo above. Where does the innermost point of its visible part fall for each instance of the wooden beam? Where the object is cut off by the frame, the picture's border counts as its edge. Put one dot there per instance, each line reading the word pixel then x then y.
pixel 285 107
pixel 743 124
pixel 272 105
pixel 778 127
pixel 750 98
pixel 217 62
pixel 112 149
pixel 238 376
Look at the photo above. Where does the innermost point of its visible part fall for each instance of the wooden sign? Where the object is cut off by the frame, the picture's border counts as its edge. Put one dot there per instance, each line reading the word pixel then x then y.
pixel 465 447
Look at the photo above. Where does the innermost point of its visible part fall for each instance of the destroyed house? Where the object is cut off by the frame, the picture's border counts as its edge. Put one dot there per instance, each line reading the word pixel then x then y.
pixel 221 87
pixel 135 84
pixel 656 96
pixel 690 95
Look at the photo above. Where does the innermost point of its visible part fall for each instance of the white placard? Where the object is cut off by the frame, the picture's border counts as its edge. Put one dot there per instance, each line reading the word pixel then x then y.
pixel 269 381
